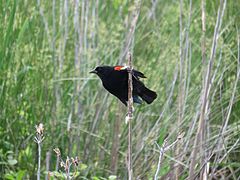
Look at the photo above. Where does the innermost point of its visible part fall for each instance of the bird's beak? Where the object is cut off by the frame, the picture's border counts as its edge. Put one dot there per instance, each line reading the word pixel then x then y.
pixel 93 71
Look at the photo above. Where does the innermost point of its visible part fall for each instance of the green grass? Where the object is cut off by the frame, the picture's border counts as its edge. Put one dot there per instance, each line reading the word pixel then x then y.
pixel 41 81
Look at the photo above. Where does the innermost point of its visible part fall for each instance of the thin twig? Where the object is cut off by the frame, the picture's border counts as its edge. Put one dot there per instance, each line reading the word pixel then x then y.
pixel 165 148
pixel 161 152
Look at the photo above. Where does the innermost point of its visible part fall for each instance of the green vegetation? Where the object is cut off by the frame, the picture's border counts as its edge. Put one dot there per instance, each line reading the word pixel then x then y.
pixel 47 49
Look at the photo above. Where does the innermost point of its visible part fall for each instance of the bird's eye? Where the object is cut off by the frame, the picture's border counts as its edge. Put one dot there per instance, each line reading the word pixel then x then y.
pixel 98 69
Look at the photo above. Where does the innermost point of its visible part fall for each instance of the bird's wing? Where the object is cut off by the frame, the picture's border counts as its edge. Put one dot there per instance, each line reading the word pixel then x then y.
pixel 136 74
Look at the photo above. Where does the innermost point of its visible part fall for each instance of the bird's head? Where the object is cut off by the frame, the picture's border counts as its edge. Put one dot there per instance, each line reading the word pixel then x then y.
pixel 102 71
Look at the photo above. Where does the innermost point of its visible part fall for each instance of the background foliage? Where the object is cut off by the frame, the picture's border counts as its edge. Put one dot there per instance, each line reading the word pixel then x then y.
pixel 47 49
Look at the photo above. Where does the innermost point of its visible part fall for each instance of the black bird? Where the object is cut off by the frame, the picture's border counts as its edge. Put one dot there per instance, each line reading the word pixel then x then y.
pixel 115 80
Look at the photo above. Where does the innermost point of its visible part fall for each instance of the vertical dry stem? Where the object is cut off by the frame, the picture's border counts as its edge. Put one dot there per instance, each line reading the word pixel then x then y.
pixel 130 35
pixel 39 139
pixel 230 106
pixel 48 159
pixel 115 143
pixel 203 174
pixel 198 139
pixel 130 116
pixel 39 161
pixel 181 85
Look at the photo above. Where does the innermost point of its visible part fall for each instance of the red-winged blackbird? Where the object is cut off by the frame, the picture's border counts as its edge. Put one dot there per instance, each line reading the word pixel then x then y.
pixel 115 80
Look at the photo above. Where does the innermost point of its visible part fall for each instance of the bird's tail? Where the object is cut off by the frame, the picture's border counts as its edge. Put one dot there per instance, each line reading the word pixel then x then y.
pixel 147 95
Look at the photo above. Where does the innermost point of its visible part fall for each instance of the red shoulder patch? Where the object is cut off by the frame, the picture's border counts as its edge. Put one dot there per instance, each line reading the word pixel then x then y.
pixel 118 68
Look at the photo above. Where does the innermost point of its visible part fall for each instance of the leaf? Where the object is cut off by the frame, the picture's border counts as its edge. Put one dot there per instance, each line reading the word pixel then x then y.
pixel 9 177
pixel 12 162
pixel 58 174
pixel 95 178
pixel 9 152
pixel 21 174
pixel 3 163
pixel 83 166
pixel 116 4
pixel 112 177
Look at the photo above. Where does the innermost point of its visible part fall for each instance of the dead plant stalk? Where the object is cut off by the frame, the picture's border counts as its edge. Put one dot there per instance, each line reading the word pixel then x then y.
pixel 206 91
pixel 129 116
